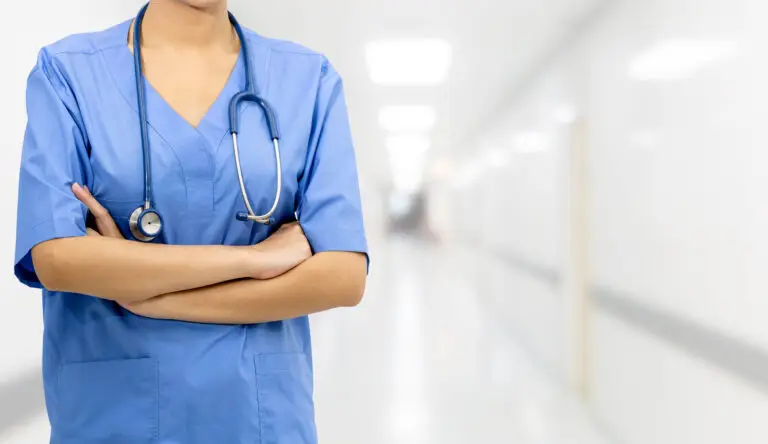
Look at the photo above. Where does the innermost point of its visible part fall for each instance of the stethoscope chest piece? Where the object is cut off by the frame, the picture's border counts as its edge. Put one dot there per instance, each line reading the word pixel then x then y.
pixel 145 224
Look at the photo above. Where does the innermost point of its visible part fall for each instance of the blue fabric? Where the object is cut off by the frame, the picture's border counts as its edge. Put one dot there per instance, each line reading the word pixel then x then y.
pixel 113 377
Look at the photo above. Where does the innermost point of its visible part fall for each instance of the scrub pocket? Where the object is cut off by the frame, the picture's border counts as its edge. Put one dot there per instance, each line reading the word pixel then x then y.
pixel 286 409
pixel 109 402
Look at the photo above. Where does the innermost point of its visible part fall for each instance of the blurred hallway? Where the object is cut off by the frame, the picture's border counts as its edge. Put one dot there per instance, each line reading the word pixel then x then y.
pixel 591 174
pixel 449 370
pixel 427 359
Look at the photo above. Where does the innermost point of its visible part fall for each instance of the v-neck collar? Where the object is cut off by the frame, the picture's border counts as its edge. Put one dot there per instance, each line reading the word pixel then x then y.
pixel 160 114
pixel 213 115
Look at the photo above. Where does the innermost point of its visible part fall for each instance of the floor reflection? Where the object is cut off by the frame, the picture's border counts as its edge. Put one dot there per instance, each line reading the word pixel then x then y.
pixel 425 361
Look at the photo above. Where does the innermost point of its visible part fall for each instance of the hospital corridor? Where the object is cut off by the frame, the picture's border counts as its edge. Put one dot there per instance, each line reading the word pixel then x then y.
pixel 564 207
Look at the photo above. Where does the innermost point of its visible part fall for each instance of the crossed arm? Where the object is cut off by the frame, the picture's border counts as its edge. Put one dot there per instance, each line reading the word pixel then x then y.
pixel 274 280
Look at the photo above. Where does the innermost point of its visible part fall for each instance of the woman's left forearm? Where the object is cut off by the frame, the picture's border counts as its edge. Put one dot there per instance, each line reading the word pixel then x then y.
pixel 325 281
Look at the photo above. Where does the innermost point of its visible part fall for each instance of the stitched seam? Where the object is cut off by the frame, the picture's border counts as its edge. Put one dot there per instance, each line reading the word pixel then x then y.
pixel 149 124
pixel 268 73
pixel 258 398
pixel 157 403
pixel 93 51
pixel 295 51
pixel 49 221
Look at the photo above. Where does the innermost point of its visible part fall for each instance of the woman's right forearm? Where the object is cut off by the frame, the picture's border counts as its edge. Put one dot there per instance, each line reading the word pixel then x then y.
pixel 129 271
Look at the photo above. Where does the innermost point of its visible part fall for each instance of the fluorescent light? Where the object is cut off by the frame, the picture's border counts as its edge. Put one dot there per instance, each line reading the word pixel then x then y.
pixel 408 118
pixel 678 59
pixel 530 142
pixel 409 61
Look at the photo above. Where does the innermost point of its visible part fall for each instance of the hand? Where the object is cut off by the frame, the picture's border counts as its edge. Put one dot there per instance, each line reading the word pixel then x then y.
pixel 104 223
pixel 286 248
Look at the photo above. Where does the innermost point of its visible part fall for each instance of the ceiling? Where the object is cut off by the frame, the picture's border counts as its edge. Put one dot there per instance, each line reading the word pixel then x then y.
pixel 495 43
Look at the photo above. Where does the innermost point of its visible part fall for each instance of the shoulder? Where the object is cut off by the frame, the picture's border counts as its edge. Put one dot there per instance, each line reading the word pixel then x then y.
pixel 61 60
pixel 280 46
pixel 90 42
pixel 55 56
pixel 291 52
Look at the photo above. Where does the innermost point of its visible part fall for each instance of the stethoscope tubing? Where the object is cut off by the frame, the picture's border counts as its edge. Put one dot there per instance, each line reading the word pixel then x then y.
pixel 250 215
pixel 141 96
pixel 250 94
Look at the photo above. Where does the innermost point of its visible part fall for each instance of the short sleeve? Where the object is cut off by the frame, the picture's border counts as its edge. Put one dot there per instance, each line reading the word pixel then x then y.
pixel 53 157
pixel 329 210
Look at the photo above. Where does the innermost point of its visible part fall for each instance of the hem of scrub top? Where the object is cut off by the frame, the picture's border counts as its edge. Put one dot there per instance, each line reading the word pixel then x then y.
pixel 55 229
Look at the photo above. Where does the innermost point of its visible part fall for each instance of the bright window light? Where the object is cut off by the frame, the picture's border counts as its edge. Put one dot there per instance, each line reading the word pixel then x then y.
pixel 409 61
pixel 407 118
pixel 679 59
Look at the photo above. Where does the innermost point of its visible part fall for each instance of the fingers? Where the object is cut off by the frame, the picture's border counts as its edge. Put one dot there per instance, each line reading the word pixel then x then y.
pixel 85 196
pixel 104 221
pixel 91 232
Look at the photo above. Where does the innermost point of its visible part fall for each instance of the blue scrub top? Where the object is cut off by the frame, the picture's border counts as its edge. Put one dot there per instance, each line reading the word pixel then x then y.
pixel 113 377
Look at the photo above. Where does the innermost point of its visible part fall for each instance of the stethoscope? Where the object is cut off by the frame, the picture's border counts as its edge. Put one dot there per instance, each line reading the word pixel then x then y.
pixel 145 222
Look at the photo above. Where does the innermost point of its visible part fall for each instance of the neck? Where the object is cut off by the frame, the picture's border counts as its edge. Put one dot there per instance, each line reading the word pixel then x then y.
pixel 174 23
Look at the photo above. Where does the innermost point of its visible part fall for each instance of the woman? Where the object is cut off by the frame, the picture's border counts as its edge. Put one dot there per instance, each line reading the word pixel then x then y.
pixel 202 335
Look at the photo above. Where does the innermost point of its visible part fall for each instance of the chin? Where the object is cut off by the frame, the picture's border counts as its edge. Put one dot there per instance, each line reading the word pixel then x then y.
pixel 203 4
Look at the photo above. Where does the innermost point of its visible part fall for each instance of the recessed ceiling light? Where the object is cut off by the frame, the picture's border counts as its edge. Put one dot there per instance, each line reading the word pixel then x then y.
pixel 409 61
pixel 408 118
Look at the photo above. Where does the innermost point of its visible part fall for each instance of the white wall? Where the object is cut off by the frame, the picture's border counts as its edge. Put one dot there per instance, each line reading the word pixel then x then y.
pixel 509 189
pixel 676 218
pixel 676 215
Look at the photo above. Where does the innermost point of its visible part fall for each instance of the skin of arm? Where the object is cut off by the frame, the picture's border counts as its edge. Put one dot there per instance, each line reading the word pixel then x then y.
pixel 325 281
pixel 127 271
pixel 321 282
pixel 111 267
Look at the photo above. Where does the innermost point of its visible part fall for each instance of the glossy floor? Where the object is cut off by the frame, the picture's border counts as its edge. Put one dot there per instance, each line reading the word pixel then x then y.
pixel 422 361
